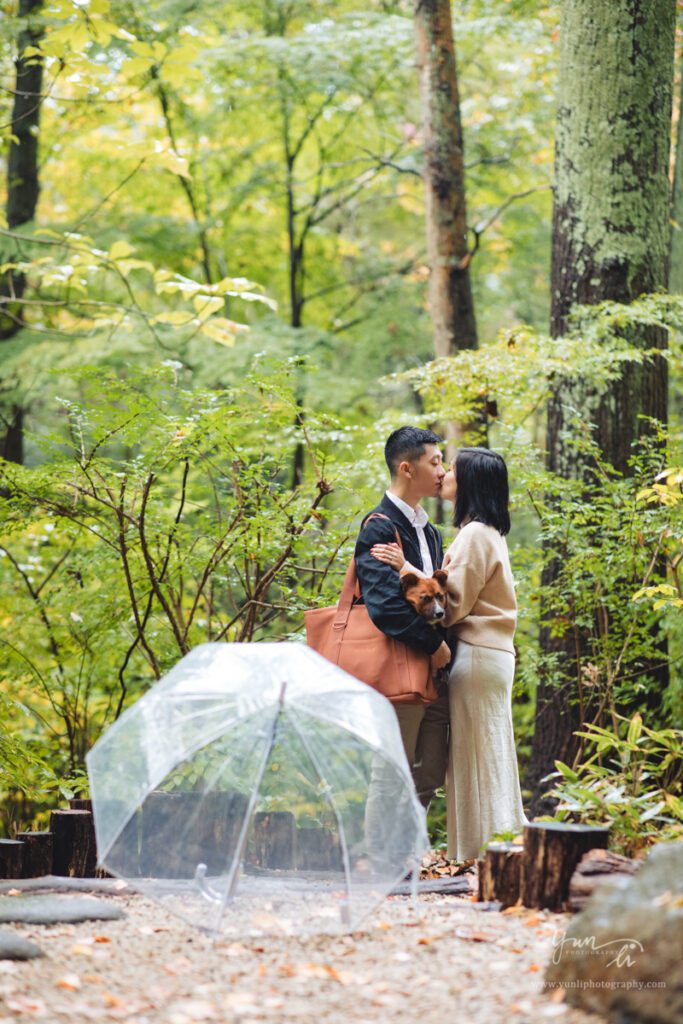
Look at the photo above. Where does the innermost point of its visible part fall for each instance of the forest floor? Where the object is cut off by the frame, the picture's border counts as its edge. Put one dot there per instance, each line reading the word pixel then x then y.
pixel 444 960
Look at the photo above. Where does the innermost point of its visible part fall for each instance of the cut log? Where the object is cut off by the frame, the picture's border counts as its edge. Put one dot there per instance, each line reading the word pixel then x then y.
pixel 73 851
pixel 163 835
pixel 318 849
pixel 500 873
pixel 552 849
pixel 37 855
pixel 80 803
pixel 273 840
pixel 596 867
pixel 11 856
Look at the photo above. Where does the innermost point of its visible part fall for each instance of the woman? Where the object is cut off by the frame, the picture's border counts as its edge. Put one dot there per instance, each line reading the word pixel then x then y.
pixel 483 794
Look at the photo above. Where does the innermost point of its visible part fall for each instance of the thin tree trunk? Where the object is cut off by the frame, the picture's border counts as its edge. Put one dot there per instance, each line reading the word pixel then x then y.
pixel 450 289
pixel 22 193
pixel 610 241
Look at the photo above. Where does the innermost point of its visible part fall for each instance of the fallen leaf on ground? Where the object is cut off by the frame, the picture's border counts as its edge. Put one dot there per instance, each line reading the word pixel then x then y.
pixel 472 935
pixel 22 1004
pixel 70 982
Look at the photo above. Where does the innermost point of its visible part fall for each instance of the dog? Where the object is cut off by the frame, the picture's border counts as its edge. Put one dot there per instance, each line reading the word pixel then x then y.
pixel 427 595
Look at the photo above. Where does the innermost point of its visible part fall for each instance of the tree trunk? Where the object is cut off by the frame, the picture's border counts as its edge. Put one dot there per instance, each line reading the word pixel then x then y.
pixel 676 255
pixel 610 242
pixel 22 194
pixel 450 289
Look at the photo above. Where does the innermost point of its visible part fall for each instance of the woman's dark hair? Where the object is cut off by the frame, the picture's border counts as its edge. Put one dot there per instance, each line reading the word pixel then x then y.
pixel 482 491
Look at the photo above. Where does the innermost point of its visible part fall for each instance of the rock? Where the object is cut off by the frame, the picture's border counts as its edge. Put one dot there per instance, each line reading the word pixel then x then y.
pixel 621 956
pixel 54 909
pixel 15 947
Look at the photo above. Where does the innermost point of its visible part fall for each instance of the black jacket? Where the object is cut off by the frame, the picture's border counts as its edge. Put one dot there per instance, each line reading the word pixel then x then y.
pixel 379 583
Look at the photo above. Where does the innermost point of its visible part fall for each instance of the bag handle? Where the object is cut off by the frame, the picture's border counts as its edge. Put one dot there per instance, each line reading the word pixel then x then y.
pixel 351 588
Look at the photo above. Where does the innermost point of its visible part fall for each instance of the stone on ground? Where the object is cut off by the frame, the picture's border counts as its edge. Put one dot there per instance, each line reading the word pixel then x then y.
pixel 621 956
pixel 56 909
pixel 15 947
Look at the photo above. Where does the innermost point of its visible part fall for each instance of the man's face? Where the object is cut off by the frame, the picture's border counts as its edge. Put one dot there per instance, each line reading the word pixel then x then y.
pixel 427 472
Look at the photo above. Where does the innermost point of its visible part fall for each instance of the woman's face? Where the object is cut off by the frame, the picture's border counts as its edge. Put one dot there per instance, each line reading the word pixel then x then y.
pixel 448 485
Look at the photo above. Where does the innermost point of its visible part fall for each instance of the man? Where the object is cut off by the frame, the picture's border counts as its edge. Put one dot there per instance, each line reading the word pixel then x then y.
pixel 416 466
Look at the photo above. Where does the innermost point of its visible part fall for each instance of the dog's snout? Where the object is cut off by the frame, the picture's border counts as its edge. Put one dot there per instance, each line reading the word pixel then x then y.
pixel 439 613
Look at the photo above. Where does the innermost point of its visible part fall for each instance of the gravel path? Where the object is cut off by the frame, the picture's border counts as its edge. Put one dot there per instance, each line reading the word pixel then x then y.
pixel 443 962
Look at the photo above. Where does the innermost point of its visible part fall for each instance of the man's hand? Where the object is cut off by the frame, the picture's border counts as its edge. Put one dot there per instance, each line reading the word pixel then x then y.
pixel 441 657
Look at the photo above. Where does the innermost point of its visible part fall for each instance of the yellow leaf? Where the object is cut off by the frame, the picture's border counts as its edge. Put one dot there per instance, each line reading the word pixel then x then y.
pixel 178 318
pixel 120 250
pixel 205 305
pixel 222 330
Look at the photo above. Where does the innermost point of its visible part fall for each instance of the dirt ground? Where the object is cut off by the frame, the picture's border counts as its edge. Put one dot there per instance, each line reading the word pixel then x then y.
pixel 444 960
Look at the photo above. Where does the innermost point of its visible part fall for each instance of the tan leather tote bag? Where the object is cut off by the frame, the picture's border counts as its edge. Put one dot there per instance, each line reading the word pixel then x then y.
pixel 345 635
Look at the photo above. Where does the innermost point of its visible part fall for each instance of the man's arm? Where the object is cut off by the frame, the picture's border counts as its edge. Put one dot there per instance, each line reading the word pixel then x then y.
pixel 379 585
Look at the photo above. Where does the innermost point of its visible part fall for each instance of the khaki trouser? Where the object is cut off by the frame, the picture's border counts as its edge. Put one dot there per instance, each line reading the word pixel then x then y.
pixel 385 831
pixel 430 760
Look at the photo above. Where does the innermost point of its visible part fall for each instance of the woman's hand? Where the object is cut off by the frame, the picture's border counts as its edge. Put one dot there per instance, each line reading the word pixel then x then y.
pixel 391 554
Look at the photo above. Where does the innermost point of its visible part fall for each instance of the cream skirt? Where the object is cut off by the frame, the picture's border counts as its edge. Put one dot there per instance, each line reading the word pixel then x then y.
pixel 483 794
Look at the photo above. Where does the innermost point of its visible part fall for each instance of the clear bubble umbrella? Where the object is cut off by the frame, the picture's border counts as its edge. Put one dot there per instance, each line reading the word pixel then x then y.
pixel 257 788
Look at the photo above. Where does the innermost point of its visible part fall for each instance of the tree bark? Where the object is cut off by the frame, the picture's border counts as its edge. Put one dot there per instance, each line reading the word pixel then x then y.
pixel 500 873
pixel 676 253
pixel 74 852
pixel 552 849
pixel 450 289
pixel 37 853
pixel 610 242
pixel 22 194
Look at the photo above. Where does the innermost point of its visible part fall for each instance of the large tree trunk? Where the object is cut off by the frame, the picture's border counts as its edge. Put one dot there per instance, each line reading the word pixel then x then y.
pixel 450 289
pixel 22 193
pixel 676 270
pixel 610 241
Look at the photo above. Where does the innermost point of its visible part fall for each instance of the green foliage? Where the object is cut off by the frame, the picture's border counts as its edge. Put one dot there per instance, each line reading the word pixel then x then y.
pixel 632 782
pixel 166 521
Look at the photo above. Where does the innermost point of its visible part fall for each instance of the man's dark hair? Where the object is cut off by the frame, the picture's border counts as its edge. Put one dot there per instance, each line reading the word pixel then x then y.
pixel 407 443
pixel 482 491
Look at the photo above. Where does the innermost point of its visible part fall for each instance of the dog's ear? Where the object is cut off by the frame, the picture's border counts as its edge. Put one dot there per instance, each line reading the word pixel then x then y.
pixel 440 576
pixel 408 580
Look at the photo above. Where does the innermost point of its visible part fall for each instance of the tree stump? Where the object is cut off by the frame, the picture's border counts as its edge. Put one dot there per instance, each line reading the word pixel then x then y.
pixel 37 855
pixel 80 803
pixel 11 856
pixel 73 852
pixel 317 849
pixel 218 826
pixel 164 835
pixel 500 873
pixel 595 868
pixel 552 849
pixel 273 840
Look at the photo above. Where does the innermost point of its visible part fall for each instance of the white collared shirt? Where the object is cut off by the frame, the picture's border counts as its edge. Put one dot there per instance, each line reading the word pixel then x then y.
pixel 418 519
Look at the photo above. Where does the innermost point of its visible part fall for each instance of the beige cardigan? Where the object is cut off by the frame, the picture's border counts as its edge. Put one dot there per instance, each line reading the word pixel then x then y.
pixel 482 608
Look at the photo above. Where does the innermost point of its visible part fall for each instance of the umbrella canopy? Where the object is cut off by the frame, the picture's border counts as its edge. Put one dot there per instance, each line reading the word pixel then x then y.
pixel 258 788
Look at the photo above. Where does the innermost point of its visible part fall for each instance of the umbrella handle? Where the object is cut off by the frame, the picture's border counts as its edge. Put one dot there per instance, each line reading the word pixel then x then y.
pixel 206 890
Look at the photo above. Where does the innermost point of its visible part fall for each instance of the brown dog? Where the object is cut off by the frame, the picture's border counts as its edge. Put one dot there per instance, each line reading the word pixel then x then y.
pixel 428 595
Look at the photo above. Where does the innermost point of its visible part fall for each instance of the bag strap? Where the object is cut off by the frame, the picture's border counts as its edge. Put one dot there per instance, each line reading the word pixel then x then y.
pixel 351 588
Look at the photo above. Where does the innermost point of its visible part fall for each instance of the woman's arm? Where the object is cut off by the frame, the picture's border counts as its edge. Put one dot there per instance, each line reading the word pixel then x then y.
pixel 391 554
pixel 466 563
